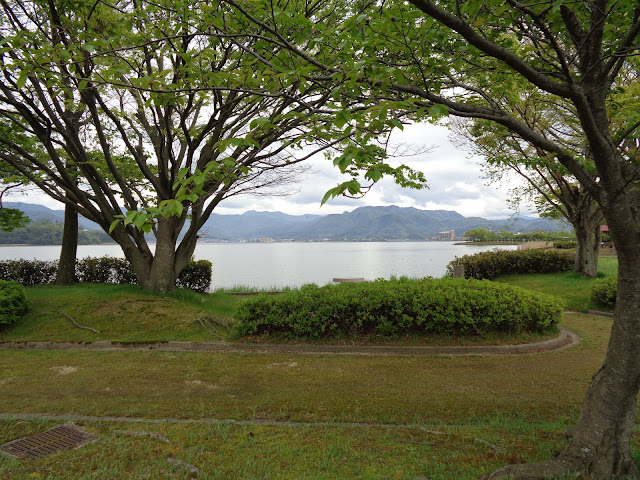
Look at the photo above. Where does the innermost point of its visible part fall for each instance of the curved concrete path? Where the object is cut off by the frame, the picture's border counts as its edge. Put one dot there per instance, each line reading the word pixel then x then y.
pixel 566 339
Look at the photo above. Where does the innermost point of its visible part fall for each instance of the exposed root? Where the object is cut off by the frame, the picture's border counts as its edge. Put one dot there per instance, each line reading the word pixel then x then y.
pixel 559 468
pixel 209 328
pixel 154 435
pixel 534 471
pixel 434 432
pixel 192 469
pixel 71 318
pixel 488 444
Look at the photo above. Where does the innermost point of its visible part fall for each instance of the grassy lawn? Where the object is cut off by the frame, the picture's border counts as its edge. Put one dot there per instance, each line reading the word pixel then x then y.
pixel 121 313
pixel 267 452
pixel 332 416
pixel 520 405
pixel 574 289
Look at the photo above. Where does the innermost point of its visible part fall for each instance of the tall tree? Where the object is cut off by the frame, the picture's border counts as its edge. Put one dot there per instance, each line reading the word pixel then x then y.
pixel 416 57
pixel 165 108
pixel 11 179
pixel 66 272
pixel 548 185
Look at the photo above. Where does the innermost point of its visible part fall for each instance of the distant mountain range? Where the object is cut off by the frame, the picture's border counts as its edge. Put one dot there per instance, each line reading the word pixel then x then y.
pixel 362 224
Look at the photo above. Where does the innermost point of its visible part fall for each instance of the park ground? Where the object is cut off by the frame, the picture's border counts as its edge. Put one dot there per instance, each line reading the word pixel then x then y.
pixel 281 416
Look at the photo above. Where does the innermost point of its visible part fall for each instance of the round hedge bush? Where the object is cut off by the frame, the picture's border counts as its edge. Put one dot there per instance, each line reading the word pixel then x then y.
pixel 604 291
pixel 13 302
pixel 398 307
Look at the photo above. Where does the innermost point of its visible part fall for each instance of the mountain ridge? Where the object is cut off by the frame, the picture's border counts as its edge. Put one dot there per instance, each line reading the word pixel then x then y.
pixel 366 223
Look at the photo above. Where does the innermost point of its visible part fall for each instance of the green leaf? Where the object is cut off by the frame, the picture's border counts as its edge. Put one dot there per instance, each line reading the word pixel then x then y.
pixel 22 78
pixel 259 122
pixel 130 215
pixel 139 220
pixel 332 193
pixel 114 224
pixel 394 122
pixel 438 110
pixel 374 175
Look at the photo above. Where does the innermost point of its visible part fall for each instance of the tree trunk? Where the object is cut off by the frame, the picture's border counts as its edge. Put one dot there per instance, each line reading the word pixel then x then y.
pixel 158 273
pixel 66 274
pixel 600 446
pixel 588 249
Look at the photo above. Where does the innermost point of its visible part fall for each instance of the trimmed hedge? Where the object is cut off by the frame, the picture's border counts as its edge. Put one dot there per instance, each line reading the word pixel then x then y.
pixel 13 302
pixel 488 265
pixel 604 291
pixel 396 307
pixel 28 272
pixel 565 244
pixel 196 275
pixel 105 270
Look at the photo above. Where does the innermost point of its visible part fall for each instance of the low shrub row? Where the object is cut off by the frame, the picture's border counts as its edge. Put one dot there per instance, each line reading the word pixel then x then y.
pixel 565 244
pixel 13 302
pixel 28 272
pixel 488 265
pixel 196 275
pixel 604 291
pixel 105 270
pixel 396 307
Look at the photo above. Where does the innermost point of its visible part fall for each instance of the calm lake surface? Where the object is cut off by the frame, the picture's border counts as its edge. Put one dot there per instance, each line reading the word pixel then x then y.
pixel 272 265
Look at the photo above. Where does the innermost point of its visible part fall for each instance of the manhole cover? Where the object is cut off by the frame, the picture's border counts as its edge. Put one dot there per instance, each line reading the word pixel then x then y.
pixel 63 437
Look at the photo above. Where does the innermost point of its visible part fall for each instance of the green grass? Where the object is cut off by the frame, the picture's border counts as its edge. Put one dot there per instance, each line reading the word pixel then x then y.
pixel 574 289
pixel 467 398
pixel 121 313
pixel 296 453
pixel 490 410
pixel 303 387
pixel 240 288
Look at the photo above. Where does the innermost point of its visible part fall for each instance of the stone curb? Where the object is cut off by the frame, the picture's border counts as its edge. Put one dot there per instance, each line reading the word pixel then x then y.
pixel 566 339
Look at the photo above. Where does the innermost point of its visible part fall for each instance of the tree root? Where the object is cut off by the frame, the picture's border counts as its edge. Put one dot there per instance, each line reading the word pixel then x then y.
pixel 560 468
pixel 210 329
pixel 154 435
pixel 181 464
pixel 71 318
pixel 534 471
pixel 488 444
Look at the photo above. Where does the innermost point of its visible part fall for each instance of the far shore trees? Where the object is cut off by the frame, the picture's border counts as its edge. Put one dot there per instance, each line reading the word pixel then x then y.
pixel 164 108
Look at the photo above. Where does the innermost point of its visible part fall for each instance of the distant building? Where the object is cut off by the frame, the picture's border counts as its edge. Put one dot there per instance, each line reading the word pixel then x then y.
pixel 450 235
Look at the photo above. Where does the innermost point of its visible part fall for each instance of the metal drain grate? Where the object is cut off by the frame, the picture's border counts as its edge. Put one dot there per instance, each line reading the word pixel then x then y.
pixel 63 437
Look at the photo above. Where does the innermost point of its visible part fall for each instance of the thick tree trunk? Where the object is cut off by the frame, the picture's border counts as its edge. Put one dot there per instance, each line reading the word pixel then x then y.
pixel 600 446
pixel 158 272
pixel 66 274
pixel 588 249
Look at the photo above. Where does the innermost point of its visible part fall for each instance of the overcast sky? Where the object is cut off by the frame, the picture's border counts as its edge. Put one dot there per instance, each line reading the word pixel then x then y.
pixel 454 177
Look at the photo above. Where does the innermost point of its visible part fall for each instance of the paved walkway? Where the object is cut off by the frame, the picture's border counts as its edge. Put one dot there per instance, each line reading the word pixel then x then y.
pixel 566 339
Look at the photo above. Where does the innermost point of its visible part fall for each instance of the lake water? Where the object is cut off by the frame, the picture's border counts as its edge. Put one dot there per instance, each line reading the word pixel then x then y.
pixel 272 265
